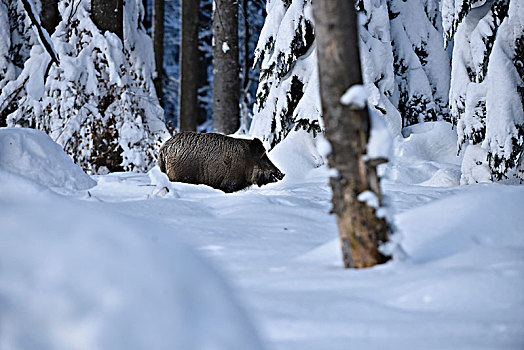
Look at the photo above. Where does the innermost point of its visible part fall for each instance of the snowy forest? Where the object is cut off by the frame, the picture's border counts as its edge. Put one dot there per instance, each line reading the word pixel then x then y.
pixel 250 174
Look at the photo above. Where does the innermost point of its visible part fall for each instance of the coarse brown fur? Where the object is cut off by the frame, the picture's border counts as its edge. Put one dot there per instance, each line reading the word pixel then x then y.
pixel 216 160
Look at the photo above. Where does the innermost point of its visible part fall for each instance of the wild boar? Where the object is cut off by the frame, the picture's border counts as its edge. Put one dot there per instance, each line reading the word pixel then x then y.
pixel 216 160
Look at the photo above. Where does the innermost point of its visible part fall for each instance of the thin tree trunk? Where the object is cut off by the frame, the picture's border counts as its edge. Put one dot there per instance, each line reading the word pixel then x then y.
pixel 158 46
pixel 347 129
pixel 226 80
pixel 188 93
pixel 245 49
pixel 49 15
pixel 108 15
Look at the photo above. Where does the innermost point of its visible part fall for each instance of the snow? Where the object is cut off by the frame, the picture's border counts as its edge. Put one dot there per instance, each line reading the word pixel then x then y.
pixel 370 198
pixel 426 155
pixel 380 143
pixel 225 47
pixel 75 276
pixel 475 167
pixel 33 155
pixel 106 268
pixel 484 97
pixel 356 95
pixel 287 96
pixel 118 93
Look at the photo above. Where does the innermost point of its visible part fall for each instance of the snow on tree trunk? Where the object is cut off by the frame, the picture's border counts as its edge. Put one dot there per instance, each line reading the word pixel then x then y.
pixel 226 80
pixel 487 86
pixel 99 104
pixel 347 129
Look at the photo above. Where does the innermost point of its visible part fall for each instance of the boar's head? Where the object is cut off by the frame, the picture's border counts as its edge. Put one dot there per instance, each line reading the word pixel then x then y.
pixel 264 171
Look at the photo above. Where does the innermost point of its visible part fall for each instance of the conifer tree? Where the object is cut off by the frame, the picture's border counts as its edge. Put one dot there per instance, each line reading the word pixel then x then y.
pixel 287 95
pixel 99 103
pixel 487 84
pixel 405 66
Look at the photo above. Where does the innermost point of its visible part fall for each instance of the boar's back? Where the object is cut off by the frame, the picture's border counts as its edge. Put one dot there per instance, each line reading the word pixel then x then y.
pixel 212 159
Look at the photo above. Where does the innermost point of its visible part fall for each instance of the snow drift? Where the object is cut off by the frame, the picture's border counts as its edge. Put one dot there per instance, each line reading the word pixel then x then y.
pixel 33 155
pixel 76 277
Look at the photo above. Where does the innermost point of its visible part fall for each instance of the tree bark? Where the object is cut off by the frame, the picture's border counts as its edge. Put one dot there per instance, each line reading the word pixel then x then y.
pixel 49 15
pixel 226 80
pixel 245 49
pixel 188 93
pixel 108 15
pixel 347 129
pixel 158 46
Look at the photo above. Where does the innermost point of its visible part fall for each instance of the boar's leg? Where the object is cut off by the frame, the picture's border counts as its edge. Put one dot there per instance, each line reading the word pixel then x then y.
pixel 162 163
pixel 232 185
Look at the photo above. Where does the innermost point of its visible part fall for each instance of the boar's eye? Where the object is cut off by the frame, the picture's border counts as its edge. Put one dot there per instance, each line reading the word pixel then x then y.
pixel 257 148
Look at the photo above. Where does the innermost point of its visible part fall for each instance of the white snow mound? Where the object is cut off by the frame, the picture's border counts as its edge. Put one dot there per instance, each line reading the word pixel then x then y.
pixel 33 154
pixel 78 278
pixel 484 218
pixel 426 155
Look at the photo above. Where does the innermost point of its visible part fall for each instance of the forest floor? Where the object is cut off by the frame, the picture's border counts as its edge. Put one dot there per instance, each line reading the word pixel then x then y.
pixel 456 279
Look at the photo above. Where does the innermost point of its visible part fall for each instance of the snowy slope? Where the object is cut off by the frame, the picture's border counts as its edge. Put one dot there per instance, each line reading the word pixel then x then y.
pixel 33 154
pixel 455 282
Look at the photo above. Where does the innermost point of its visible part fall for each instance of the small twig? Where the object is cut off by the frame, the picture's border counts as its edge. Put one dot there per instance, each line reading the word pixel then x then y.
pixel 12 95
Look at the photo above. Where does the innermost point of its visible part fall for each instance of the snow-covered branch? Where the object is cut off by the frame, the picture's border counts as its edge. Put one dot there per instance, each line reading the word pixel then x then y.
pixel 43 35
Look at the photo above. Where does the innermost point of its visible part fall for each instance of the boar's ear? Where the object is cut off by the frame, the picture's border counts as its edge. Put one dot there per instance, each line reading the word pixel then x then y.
pixel 257 148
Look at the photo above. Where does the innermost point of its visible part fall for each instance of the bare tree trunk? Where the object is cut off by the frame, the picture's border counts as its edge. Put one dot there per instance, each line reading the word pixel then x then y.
pixel 245 49
pixel 158 46
pixel 226 80
pixel 108 15
pixel 347 129
pixel 49 15
pixel 188 94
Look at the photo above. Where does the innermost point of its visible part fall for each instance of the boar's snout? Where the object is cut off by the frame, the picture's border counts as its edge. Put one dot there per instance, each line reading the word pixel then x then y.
pixel 267 172
pixel 278 175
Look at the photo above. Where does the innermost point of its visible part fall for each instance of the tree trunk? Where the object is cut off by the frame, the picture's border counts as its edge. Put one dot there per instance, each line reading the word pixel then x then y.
pixel 245 49
pixel 347 129
pixel 158 46
pixel 108 15
pixel 49 15
pixel 188 104
pixel 226 80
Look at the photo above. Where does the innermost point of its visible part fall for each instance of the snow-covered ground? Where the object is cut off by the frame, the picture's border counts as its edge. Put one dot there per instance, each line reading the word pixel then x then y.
pixel 105 267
